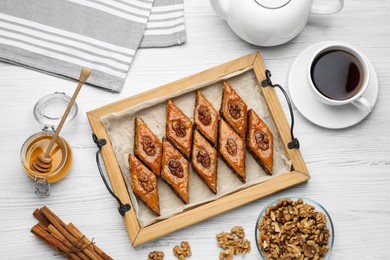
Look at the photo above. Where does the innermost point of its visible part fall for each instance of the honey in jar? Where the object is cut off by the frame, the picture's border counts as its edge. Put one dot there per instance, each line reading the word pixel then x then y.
pixel 48 112
pixel 61 155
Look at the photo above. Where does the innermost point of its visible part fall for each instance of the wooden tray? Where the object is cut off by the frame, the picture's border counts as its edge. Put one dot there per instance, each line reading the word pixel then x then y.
pixel 298 174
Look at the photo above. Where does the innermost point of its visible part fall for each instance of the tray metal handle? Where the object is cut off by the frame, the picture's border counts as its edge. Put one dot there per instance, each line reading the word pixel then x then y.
pixel 123 208
pixel 294 144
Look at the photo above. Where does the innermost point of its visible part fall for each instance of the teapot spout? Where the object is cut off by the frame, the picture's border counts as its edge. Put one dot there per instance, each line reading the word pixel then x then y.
pixel 221 7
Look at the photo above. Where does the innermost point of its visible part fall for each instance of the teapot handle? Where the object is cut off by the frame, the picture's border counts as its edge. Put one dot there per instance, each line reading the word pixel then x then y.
pixel 331 8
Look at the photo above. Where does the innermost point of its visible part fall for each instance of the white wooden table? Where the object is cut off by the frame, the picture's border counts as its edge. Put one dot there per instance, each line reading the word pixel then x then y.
pixel 350 168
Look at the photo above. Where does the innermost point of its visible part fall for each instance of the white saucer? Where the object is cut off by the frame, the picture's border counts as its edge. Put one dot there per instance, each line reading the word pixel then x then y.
pixel 334 117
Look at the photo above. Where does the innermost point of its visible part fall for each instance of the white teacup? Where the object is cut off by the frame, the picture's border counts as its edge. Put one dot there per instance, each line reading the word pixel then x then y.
pixel 357 98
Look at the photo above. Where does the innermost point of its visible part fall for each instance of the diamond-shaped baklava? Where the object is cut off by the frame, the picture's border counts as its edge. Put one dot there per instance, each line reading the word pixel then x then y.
pixel 147 147
pixel 179 129
pixel 174 171
pixel 232 149
pixel 234 109
pixel 206 118
pixel 204 160
pixel 144 184
pixel 260 142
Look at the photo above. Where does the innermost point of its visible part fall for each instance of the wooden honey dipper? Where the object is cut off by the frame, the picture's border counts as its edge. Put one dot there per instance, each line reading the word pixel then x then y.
pixel 43 162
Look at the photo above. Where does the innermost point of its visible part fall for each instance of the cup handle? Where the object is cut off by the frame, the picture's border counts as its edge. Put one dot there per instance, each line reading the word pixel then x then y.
pixel 363 104
pixel 331 8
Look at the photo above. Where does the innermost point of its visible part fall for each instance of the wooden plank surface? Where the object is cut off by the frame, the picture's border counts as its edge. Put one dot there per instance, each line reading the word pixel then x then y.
pixel 349 168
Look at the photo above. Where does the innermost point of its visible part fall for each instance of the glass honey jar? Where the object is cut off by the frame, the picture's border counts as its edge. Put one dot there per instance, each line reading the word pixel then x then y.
pixel 48 112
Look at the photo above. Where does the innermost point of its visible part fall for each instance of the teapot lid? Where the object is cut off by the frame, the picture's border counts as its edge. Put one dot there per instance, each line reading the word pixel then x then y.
pixel 273 4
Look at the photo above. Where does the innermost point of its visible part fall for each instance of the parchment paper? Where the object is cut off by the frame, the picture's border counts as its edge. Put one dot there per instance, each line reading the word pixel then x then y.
pixel 120 127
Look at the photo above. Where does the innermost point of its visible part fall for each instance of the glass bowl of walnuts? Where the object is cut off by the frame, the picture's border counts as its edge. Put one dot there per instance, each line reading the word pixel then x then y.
pixel 294 228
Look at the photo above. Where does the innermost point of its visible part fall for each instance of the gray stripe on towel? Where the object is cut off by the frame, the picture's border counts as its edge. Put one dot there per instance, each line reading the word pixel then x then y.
pixel 61 69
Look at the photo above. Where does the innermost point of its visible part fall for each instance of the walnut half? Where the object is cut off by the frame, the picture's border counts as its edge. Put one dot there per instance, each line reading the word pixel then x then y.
pixel 183 251
pixel 179 128
pixel 176 168
pixel 156 255
pixel 262 140
pixel 239 231
pixel 148 146
pixel 231 147
pixel 204 115
pixel 203 158
pixel 234 108
pixel 233 243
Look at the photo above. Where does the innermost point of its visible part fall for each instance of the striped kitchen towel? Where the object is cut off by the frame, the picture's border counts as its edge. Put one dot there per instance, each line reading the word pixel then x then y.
pixel 61 36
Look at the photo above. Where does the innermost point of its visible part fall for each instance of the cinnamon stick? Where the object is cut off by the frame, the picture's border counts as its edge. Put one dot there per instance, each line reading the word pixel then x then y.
pixel 67 240
pixel 53 215
pixel 77 233
pixel 43 226
pixel 52 242
pixel 38 215
pixel 60 225
pixel 61 238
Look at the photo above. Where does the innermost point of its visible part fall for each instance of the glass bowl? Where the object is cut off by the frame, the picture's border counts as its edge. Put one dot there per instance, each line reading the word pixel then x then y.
pixel 318 208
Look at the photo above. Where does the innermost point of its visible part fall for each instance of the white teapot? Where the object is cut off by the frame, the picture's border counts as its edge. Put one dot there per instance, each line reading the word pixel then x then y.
pixel 270 22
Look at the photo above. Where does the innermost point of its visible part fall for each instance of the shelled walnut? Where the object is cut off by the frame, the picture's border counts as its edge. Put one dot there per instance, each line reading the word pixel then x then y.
pixel 262 140
pixel 235 108
pixel 231 147
pixel 179 128
pixel 183 251
pixel 239 231
pixel 145 181
pixel 203 157
pixel 148 146
pixel 156 255
pixel 204 115
pixel 175 168
pixel 227 254
pixel 233 243
pixel 293 230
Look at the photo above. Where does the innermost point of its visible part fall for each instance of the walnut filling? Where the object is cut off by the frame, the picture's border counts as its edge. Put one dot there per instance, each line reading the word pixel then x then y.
pixel 148 146
pixel 262 140
pixel 175 168
pixel 204 115
pixel 234 108
pixel 231 147
pixel 179 128
pixel 203 158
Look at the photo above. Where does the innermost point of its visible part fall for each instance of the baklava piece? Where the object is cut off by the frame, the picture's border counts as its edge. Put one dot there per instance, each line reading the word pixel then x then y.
pixel 234 110
pixel 204 160
pixel 260 142
pixel 147 147
pixel 174 171
pixel 179 129
pixel 206 118
pixel 232 149
pixel 144 184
